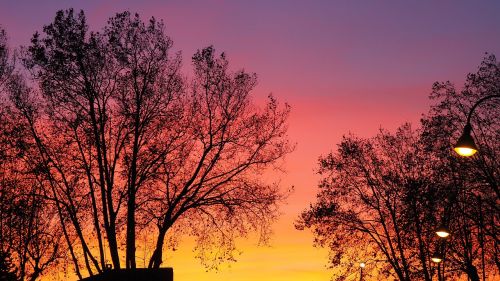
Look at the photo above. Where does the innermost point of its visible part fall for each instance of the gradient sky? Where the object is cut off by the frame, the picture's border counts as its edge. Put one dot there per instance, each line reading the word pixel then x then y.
pixel 343 66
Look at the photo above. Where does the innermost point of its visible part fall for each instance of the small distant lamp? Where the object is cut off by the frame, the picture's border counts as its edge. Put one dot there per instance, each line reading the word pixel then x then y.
pixel 362 264
pixel 465 145
pixel 443 232
pixel 437 258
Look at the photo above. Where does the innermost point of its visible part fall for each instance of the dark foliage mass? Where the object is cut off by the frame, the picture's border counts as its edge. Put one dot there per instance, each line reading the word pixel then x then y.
pixel 8 271
pixel 110 144
pixel 381 199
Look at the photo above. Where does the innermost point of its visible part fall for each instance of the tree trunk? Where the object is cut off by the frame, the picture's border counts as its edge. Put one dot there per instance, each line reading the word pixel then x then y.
pixel 156 258
pixel 36 274
pixel 106 198
pixel 423 252
pixel 113 247
pixel 471 271
pixel 130 253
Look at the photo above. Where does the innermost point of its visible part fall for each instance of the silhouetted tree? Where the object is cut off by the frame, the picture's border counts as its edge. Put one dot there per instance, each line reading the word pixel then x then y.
pixel 6 64
pixel 26 224
pixel 389 193
pixel 472 206
pixel 378 193
pixel 126 143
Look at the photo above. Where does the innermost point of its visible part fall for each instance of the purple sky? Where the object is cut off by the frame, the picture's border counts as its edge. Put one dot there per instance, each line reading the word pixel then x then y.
pixel 344 66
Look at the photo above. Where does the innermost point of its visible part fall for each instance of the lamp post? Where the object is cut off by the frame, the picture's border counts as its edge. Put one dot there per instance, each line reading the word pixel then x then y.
pixel 438 257
pixel 465 145
pixel 361 266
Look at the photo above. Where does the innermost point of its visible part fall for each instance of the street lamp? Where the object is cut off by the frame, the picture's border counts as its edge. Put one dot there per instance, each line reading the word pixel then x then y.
pixel 443 231
pixel 437 257
pixel 465 145
pixel 361 266
pixel 365 263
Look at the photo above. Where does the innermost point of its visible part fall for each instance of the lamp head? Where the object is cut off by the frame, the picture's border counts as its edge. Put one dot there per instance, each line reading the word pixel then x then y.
pixel 362 264
pixel 443 231
pixel 465 145
pixel 437 258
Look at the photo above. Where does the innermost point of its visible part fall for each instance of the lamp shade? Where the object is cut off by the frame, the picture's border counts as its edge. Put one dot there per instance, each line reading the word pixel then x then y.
pixel 437 258
pixel 443 232
pixel 465 145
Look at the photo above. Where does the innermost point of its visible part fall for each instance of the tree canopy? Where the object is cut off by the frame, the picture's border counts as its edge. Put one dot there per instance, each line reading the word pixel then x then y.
pixel 121 145
pixel 381 199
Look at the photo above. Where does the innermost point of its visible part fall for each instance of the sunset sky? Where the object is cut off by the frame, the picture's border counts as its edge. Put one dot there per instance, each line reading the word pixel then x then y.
pixel 343 66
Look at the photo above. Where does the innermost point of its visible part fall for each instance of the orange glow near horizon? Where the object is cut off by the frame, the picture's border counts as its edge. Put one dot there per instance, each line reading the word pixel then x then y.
pixel 344 67
pixel 288 257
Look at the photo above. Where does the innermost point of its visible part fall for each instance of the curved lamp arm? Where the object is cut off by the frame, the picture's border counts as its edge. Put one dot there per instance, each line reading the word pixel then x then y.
pixel 465 145
pixel 481 100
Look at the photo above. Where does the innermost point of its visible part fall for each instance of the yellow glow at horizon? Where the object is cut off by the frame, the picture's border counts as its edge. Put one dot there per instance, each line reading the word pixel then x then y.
pixel 465 151
pixel 289 257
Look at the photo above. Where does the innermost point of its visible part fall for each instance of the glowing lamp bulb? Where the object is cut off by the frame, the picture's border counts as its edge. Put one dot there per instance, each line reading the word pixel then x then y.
pixel 436 259
pixel 465 145
pixel 442 234
pixel 465 151
pixel 362 265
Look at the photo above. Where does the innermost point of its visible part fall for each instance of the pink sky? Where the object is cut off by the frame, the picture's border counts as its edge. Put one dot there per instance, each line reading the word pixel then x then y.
pixel 343 66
